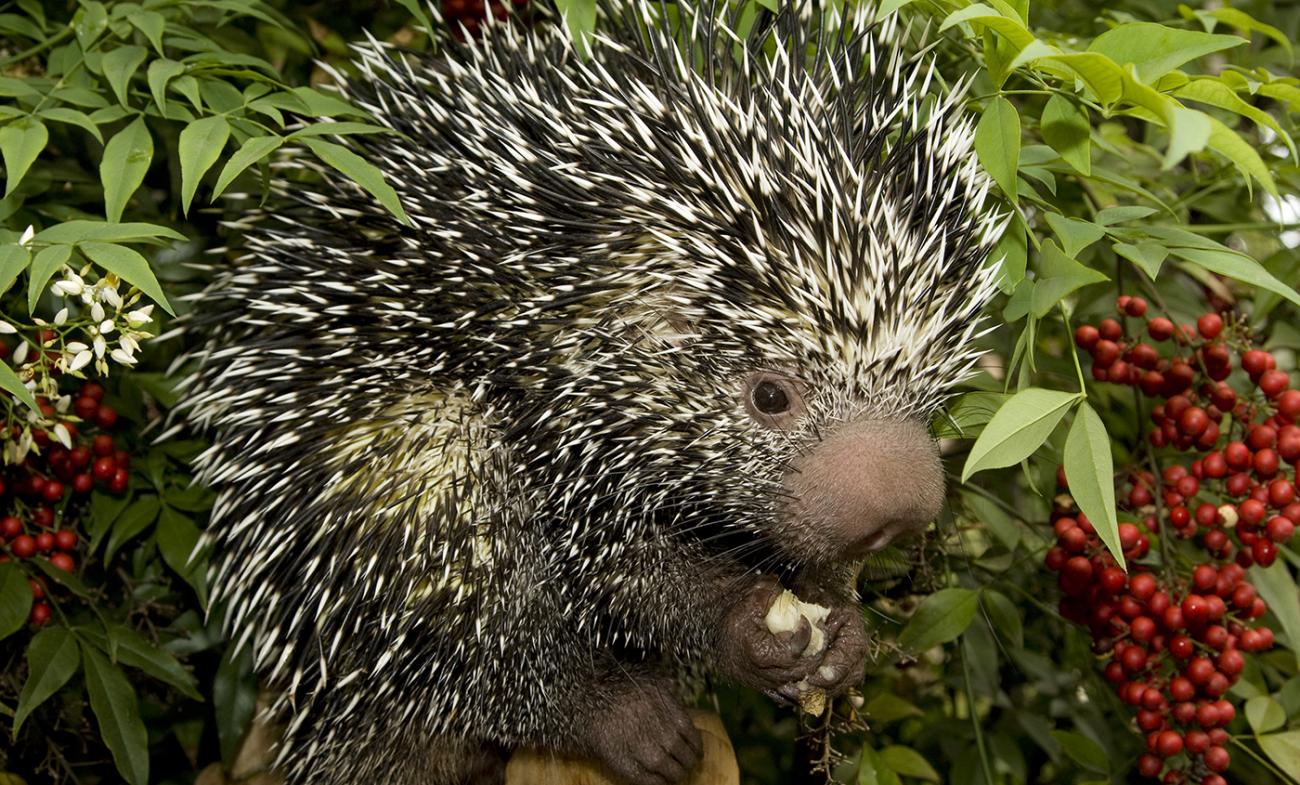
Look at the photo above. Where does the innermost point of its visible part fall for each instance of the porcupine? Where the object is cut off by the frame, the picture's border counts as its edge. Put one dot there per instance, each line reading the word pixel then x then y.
pixel 661 336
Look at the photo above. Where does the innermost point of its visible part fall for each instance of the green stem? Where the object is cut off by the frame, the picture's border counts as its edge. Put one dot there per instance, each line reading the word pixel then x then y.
pixel 1074 353
pixel 1282 775
pixel 37 49
pixel 975 721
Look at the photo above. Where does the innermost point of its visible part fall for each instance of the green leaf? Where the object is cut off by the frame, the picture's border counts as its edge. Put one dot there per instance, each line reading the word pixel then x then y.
pixel 129 266
pixel 1066 128
pixel 1283 749
pixel 1278 589
pixel 201 144
pixel 1018 429
pixel 80 231
pixel 234 698
pixel 983 512
pixel 20 143
pixel 177 535
pixel 580 19
pixel 160 73
pixel 313 103
pixel 360 171
pixel 339 129
pixel 997 143
pixel 1264 714
pixel 907 762
pixel 254 149
pixel 1215 93
pixel 130 648
pixel 119 66
pixel 1189 132
pixel 888 7
pixel 52 658
pixel 1012 255
pixel 1148 255
pixel 15 599
pixel 48 260
pixel 1099 73
pixel 1243 21
pixel 14 258
pixel 152 24
pixel 126 161
pixel 1004 617
pixel 1118 215
pixel 138 517
pixel 1226 142
pixel 416 9
pixel 1083 751
pixel 967 414
pixel 9 382
pixel 941 617
pixel 1155 49
pixel 62 114
pixel 888 707
pixel 1009 26
pixel 1075 234
pixel 1059 276
pixel 1237 266
pixel 1090 470
pixel 117 711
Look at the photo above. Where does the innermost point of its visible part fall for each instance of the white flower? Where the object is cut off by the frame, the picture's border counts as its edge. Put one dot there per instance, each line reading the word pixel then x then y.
pixel 97 312
pixel 129 343
pixel 61 317
pixel 122 356
pixel 140 316
pixel 7 329
pixel 61 433
pixel 110 296
pixel 61 405
pixel 81 359
pixel 100 346
pixel 106 327
pixel 20 354
pixel 75 347
pixel 28 233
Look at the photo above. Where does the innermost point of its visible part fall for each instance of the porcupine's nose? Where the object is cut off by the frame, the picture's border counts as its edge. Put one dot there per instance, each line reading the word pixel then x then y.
pixel 868 483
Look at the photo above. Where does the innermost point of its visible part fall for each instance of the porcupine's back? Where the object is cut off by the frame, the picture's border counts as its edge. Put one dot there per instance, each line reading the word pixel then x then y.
pixel 397 406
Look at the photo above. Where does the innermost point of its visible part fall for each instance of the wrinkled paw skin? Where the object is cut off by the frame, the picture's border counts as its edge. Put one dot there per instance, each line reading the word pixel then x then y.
pixel 645 737
pixel 751 655
pixel 844 661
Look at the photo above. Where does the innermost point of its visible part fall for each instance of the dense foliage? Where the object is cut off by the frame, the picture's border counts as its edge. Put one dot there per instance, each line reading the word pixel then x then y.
pixel 1141 149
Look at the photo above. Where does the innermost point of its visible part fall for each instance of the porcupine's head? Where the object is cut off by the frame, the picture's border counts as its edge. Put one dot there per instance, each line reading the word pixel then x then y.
pixel 819 242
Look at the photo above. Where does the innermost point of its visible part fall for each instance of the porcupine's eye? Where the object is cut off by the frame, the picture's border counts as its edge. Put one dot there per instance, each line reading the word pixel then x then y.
pixel 773 400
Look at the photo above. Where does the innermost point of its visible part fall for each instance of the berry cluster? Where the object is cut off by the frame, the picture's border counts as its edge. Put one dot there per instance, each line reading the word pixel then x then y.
pixel 74 456
pixel 470 15
pixel 1176 627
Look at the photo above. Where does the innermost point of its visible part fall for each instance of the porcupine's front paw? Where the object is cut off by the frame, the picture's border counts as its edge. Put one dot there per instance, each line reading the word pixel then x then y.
pixel 643 736
pixel 752 655
pixel 844 660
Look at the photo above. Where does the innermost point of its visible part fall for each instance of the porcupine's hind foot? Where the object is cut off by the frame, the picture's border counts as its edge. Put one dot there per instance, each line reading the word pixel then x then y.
pixel 641 734
pixel 459 761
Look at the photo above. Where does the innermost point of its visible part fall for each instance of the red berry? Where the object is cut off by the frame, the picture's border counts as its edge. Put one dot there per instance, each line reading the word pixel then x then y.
pixel 1207 714
pixel 85 407
pixel 65 539
pixel 1203 578
pixel 63 561
pixel 1256 361
pixel 1264 552
pixel 1251 511
pixel 1231 662
pixel 1136 307
pixel 1110 330
pixel 1105 353
pixel 1149 765
pixel 1086 336
pixel 53 491
pixel 104 469
pixel 10 526
pixel 1280 529
pixel 1274 383
pixel 106 417
pixel 1169 744
pixel 1160 329
pixel 1209 326
pixel 92 390
pixel 1288 405
pixel 1217 759
pixel 83 483
pixel 1181 647
pixel 1181 689
pixel 23 546
pixel 1266 462
pixel 1193 421
pixel 1142 629
pixel 45 542
pixel 103 444
pixel 39 614
pixel 1196 741
pixel 1133 659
